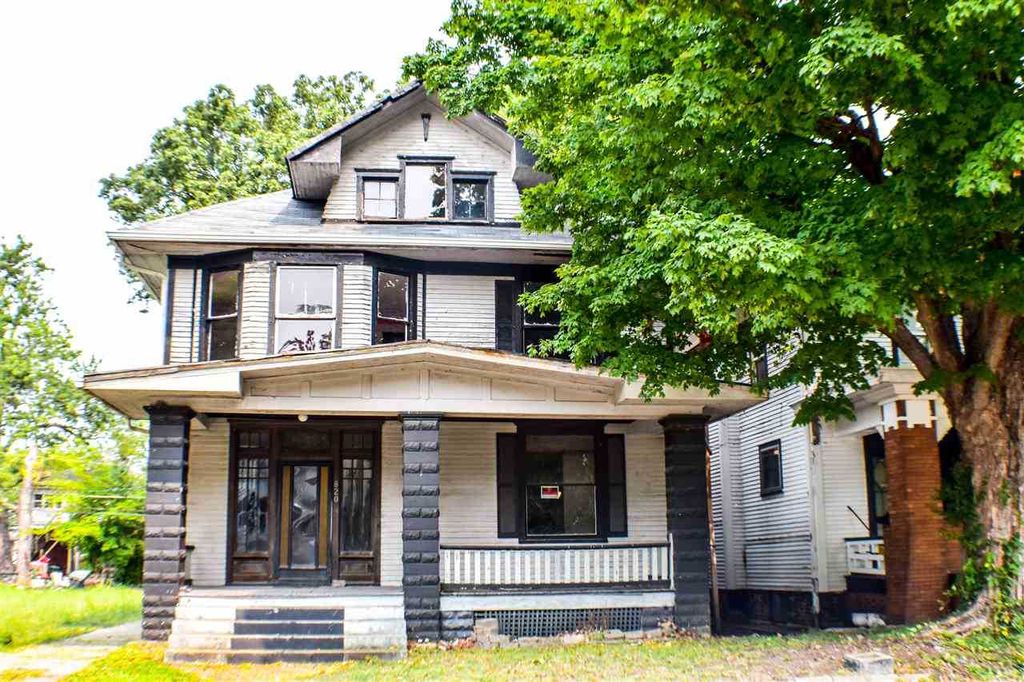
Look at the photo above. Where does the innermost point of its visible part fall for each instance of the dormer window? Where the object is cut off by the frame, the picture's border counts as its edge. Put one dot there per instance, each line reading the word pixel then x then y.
pixel 470 201
pixel 425 191
pixel 380 197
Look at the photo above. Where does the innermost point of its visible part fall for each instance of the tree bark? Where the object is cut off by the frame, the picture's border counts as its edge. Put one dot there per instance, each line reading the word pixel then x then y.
pixel 6 546
pixel 24 546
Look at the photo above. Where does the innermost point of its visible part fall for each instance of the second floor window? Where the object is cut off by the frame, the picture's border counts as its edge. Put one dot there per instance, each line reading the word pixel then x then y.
pixel 470 200
pixel 306 309
pixel 380 198
pixel 393 322
pixel 770 463
pixel 222 315
pixel 537 326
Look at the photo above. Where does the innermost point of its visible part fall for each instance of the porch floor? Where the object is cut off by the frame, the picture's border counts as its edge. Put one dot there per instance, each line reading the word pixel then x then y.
pixel 292 591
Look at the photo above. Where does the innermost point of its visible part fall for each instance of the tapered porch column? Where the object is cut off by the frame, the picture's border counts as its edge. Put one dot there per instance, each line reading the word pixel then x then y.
pixel 421 551
pixel 686 497
pixel 163 569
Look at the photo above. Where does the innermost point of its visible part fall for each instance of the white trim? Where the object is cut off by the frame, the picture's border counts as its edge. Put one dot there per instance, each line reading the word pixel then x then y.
pixel 567 600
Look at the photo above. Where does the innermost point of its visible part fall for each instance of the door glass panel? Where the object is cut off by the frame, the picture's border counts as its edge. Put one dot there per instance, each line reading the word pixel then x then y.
pixel 305 501
pixel 251 505
pixel 357 504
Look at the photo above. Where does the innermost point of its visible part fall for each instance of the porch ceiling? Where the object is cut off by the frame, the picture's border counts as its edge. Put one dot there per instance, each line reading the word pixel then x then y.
pixel 416 376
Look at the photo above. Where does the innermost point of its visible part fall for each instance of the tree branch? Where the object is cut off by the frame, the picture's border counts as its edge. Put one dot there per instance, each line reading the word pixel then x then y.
pixel 941 332
pixel 907 342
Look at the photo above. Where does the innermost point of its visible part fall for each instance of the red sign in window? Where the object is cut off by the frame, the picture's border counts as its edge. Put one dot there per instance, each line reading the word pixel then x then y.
pixel 550 492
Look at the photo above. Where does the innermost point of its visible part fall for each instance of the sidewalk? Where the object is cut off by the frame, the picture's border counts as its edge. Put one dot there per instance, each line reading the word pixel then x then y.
pixel 54 660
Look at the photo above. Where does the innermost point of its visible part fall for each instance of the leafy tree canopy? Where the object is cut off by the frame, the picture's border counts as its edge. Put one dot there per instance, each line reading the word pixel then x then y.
pixel 739 175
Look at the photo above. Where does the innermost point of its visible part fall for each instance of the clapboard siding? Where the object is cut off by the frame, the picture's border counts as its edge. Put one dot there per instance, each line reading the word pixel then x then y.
pixel 469 493
pixel 460 309
pixel 391 504
pixel 207 497
pixel 255 312
pixel 356 305
pixel 404 135
pixel 184 299
pixel 844 484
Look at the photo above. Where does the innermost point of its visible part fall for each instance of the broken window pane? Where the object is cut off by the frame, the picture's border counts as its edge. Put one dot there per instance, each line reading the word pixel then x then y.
pixel 425 191
pixel 305 291
pixel 470 199
pixel 299 336
pixel 224 293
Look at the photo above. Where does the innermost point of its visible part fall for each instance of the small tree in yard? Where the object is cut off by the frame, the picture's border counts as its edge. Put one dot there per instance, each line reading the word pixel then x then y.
pixel 40 405
pixel 739 174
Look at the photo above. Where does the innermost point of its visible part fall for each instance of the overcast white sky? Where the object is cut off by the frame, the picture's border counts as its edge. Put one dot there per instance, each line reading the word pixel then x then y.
pixel 86 84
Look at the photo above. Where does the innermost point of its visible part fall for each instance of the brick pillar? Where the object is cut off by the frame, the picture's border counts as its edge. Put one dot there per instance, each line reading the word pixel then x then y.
pixel 421 549
pixel 687 508
pixel 915 549
pixel 163 569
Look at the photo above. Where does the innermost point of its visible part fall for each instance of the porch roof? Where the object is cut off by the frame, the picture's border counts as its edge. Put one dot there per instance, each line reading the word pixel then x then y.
pixel 415 376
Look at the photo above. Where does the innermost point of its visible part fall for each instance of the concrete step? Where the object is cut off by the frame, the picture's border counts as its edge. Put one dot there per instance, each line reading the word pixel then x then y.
pixel 289 642
pixel 288 627
pixel 280 656
pixel 289 613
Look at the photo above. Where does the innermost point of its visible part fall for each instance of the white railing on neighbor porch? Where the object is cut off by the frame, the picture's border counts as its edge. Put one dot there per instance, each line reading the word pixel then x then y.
pixel 865 556
pixel 518 566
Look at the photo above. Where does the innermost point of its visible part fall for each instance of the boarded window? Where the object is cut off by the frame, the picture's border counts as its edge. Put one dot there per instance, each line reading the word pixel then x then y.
pixel 506 474
pixel 222 315
pixel 305 309
pixel 770 456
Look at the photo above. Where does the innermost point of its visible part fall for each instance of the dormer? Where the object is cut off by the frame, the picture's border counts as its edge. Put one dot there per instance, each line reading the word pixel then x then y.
pixel 404 161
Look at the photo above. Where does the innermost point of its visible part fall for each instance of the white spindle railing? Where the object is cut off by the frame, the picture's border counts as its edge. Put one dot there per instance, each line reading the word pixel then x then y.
pixel 561 565
pixel 865 556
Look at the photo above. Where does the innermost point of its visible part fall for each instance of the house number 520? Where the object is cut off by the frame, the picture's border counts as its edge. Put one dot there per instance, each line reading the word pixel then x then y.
pixel 335 491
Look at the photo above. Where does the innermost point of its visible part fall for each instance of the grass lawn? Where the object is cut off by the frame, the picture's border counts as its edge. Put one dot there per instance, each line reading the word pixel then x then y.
pixel 42 615
pixel 975 657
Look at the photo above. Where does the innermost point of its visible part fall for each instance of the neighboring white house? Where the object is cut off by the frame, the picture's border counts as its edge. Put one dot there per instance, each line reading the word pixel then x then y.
pixel 347 441
pixel 814 523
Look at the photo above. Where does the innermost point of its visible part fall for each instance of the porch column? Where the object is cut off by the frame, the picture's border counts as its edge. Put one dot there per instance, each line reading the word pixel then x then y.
pixel 421 551
pixel 686 500
pixel 163 569
pixel 915 549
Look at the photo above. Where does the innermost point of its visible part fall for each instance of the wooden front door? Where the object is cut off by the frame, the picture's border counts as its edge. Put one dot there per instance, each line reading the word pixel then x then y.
pixel 305 522
pixel 359 508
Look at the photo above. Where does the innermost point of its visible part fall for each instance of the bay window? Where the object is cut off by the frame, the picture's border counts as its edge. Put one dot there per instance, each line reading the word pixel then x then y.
pixel 305 309
pixel 392 322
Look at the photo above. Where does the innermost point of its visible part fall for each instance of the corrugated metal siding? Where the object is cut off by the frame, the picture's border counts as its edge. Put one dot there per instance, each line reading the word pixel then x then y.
pixel 207 498
pixel 404 135
pixel 844 484
pixel 717 512
pixel 255 310
pixel 460 309
pixel 356 305
pixel 469 494
pixel 184 299
pixel 391 504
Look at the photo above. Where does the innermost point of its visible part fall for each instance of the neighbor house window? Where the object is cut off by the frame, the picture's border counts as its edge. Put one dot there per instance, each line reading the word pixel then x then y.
pixel 470 199
pixel 306 309
pixel 222 315
pixel 393 323
pixel 380 198
pixel 770 459
pixel 537 326
pixel 425 191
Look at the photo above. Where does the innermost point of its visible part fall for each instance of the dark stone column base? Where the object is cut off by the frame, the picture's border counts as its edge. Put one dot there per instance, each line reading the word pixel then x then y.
pixel 421 545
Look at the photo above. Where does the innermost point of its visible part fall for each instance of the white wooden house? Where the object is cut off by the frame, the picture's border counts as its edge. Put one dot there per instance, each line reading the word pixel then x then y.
pixel 349 447
pixel 813 524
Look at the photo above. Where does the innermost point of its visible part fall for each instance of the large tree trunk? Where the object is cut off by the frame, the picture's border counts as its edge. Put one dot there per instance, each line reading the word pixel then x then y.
pixel 6 546
pixel 989 417
pixel 24 548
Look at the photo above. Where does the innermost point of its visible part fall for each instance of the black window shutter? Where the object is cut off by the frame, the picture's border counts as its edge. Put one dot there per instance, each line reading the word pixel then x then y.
pixel 507 334
pixel 506 477
pixel 616 485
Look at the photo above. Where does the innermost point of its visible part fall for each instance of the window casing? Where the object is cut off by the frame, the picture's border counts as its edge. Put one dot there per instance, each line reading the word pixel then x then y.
pixel 305 308
pixel 770 465
pixel 392 308
pixel 560 484
pixel 224 290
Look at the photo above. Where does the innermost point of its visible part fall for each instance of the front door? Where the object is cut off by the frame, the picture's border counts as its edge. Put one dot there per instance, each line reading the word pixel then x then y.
pixel 305 522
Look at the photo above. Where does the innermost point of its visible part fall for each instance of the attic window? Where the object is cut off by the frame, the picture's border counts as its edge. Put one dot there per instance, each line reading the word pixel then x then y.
pixel 425 191
pixel 380 198
pixel 470 200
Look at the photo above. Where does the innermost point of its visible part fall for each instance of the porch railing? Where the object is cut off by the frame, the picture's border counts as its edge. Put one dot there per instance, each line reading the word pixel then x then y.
pixel 496 566
pixel 865 556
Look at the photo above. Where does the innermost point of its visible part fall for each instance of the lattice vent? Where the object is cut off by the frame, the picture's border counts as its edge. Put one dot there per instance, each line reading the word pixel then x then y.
pixel 551 622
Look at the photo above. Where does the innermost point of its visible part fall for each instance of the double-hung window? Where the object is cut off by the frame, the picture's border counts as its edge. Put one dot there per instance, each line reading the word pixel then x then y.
pixel 380 197
pixel 305 309
pixel 393 322
pixel 770 462
pixel 222 315
pixel 469 201
pixel 537 326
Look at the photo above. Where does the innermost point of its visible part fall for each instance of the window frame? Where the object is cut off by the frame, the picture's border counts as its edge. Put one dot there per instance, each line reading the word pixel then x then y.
pixel 602 485
pixel 399 176
pixel 277 317
pixel 764 450
pixel 208 317
pixel 411 301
